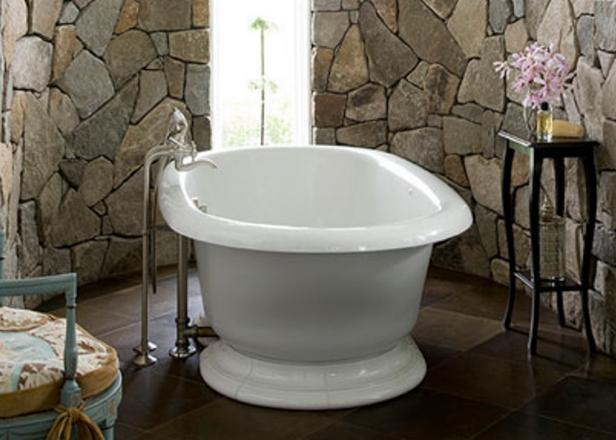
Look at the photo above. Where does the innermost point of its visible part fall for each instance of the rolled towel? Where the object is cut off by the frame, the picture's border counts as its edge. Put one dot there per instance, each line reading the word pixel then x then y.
pixel 566 129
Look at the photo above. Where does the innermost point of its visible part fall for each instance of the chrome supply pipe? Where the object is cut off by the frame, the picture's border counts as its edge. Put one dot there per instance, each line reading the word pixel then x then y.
pixel 200 332
pixel 148 260
pixel 176 149
pixel 183 348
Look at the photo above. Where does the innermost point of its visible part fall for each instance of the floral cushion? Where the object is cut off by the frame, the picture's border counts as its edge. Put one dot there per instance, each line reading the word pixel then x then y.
pixel 32 362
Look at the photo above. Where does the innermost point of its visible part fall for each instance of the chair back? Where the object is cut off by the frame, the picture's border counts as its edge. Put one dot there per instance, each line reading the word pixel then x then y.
pixel 67 284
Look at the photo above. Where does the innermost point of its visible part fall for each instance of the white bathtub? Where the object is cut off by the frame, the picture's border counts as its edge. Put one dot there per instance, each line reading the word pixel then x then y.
pixel 312 262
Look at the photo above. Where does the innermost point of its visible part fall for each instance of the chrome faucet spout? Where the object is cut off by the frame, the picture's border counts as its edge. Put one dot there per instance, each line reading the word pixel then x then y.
pixel 195 163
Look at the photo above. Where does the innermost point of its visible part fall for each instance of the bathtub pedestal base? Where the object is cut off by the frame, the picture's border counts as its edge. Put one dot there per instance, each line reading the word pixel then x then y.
pixel 317 386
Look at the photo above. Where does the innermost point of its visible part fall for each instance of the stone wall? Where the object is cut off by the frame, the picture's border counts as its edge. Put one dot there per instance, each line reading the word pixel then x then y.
pixel 415 77
pixel 9 168
pixel 89 87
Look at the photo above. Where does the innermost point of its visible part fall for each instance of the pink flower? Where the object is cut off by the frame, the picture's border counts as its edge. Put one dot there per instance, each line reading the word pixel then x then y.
pixel 542 74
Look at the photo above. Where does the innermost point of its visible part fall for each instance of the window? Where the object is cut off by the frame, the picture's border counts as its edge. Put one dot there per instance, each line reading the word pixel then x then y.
pixel 237 84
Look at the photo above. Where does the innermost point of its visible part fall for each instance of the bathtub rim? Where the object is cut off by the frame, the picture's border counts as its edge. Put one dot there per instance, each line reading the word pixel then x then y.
pixel 452 218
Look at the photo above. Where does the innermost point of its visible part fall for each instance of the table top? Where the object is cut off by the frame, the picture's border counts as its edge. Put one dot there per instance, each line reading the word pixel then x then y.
pixel 531 142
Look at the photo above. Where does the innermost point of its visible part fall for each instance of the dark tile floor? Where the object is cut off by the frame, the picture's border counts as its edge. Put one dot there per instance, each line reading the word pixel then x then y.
pixel 480 383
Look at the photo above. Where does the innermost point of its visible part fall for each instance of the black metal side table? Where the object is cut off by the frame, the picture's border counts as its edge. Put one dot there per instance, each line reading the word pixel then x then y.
pixel 557 150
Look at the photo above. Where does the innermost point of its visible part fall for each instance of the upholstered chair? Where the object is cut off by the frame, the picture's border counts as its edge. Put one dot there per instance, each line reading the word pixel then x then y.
pixel 54 376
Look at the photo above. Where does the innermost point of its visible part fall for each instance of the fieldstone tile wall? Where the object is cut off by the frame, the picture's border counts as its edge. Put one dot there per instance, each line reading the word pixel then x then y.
pixel 415 78
pixel 10 167
pixel 88 89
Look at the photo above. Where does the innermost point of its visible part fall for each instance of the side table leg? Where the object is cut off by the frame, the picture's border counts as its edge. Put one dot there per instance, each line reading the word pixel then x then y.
pixel 591 195
pixel 559 174
pixel 534 200
pixel 508 211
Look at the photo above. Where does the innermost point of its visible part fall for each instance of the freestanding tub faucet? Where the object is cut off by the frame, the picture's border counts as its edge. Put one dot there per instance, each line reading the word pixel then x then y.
pixel 183 153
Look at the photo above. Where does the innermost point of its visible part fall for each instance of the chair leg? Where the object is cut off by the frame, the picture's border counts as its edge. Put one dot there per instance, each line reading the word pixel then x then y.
pixel 108 428
pixel 108 433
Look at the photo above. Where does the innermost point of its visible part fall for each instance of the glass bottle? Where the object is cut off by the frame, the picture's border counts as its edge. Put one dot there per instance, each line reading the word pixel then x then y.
pixel 545 123
pixel 551 243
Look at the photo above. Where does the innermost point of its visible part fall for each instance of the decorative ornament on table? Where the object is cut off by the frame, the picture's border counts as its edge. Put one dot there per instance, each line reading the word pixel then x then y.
pixel 543 75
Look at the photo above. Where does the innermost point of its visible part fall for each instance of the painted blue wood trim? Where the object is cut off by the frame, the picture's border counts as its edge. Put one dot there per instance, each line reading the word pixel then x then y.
pixel 71 393
pixel 42 285
pixel 102 409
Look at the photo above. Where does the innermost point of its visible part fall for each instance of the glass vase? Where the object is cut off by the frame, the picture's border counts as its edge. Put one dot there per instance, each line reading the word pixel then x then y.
pixel 530 118
pixel 545 123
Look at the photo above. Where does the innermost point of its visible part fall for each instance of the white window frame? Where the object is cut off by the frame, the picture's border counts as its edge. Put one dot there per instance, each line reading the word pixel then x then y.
pixel 302 111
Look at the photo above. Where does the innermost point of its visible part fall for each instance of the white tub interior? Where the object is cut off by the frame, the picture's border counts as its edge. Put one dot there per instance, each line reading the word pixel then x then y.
pixel 309 187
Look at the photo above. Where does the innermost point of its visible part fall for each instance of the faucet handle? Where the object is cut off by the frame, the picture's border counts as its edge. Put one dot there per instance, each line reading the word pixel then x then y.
pixel 178 128
pixel 181 148
pixel 177 139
